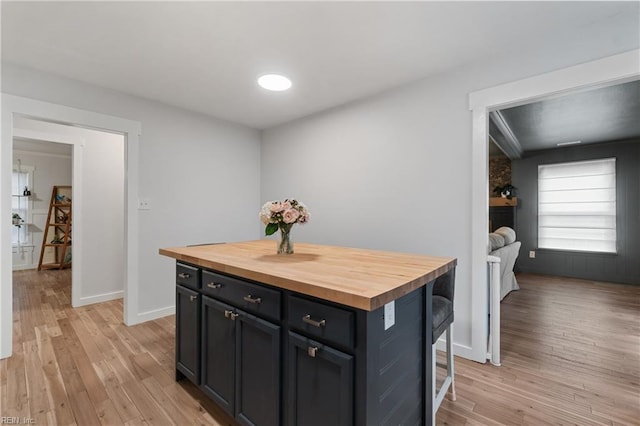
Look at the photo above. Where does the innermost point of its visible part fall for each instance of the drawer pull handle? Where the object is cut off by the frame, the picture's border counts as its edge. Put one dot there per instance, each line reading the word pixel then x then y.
pixel 308 320
pixel 231 315
pixel 183 275
pixel 214 285
pixel 249 298
pixel 312 351
pixel 192 298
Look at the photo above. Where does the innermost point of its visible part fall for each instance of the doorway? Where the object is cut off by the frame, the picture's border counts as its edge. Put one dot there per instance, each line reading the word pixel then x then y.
pixel 95 205
pixel 16 108
pixel 604 72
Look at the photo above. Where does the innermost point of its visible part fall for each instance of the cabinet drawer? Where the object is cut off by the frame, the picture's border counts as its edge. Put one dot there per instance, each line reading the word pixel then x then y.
pixel 333 324
pixel 188 276
pixel 250 297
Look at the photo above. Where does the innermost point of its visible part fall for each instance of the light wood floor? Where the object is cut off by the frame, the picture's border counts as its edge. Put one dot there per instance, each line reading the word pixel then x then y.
pixel 571 355
pixel 84 366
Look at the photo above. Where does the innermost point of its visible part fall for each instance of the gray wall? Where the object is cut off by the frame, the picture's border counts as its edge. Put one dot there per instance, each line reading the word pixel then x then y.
pixel 623 267
pixel 393 171
pixel 189 165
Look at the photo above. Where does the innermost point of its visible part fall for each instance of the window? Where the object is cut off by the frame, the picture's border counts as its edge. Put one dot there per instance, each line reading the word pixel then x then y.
pixel 22 176
pixel 577 206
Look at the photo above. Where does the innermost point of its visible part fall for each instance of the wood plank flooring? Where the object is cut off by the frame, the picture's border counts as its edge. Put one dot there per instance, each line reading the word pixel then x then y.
pixel 84 367
pixel 570 352
pixel 570 356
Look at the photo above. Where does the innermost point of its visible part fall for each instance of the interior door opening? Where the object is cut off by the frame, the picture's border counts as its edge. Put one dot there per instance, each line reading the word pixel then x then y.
pixel 74 211
pixel 518 146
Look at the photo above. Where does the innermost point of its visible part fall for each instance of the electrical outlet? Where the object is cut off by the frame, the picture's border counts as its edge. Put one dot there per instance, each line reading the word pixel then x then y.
pixel 389 314
pixel 532 254
pixel 144 204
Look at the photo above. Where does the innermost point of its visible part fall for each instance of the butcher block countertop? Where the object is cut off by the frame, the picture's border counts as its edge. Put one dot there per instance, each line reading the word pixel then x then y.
pixel 363 279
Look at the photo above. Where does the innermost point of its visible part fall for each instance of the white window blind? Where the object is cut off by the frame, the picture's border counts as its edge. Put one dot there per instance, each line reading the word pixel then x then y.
pixel 577 206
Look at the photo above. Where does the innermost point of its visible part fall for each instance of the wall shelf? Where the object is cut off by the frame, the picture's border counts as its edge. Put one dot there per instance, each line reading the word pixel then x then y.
pixel 503 202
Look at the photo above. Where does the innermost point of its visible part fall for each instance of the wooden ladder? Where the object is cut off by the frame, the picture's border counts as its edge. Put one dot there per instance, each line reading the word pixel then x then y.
pixel 57 231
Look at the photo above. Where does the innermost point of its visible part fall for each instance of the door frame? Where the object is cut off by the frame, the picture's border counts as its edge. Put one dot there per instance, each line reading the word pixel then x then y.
pixel 603 72
pixel 131 130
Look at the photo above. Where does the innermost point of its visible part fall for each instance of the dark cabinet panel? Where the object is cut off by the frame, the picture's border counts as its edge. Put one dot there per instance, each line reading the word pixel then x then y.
pixel 188 333
pixel 320 384
pixel 322 321
pixel 188 276
pixel 257 371
pixel 219 352
pixel 250 297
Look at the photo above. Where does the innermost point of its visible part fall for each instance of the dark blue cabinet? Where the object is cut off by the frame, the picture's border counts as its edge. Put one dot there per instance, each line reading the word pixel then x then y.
pixel 218 353
pixel 258 374
pixel 241 363
pixel 273 357
pixel 319 384
pixel 188 334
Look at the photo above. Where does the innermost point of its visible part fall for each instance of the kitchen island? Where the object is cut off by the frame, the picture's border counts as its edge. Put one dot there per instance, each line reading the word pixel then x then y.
pixel 327 335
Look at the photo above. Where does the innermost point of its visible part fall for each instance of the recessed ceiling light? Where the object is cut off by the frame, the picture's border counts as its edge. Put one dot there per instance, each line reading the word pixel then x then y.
pixel 274 82
pixel 569 143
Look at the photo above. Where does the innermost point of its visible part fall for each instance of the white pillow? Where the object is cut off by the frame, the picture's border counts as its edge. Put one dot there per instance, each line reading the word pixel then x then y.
pixel 496 241
pixel 508 234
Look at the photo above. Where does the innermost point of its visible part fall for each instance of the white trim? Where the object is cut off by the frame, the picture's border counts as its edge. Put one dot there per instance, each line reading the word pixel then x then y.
pixel 90 300
pixel 458 349
pixel 15 105
pixel 155 314
pixel 25 267
pixel 512 146
pixel 607 71
pixel 494 309
pixel 611 70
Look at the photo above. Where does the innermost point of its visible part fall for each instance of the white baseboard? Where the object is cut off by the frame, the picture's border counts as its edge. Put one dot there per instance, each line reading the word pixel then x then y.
pixel 24 267
pixel 153 314
pixel 458 349
pixel 105 297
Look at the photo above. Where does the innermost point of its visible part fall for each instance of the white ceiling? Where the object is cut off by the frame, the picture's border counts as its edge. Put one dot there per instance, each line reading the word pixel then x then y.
pixel 206 56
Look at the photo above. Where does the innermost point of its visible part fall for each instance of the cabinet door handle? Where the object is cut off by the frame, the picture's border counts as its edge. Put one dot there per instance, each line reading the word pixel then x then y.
pixel 183 275
pixel 308 320
pixel 231 315
pixel 214 285
pixel 192 298
pixel 249 298
pixel 312 351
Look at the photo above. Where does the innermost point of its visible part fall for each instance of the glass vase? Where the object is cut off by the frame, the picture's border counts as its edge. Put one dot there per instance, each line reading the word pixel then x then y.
pixel 285 246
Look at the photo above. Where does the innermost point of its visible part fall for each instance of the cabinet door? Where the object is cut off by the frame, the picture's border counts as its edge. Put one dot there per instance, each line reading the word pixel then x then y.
pixel 188 333
pixel 257 372
pixel 320 384
pixel 218 352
